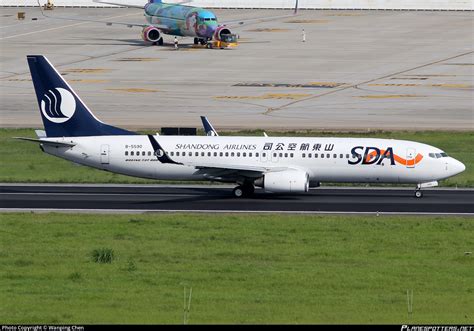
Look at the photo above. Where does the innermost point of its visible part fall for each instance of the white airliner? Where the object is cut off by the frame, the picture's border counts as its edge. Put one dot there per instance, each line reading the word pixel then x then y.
pixel 277 164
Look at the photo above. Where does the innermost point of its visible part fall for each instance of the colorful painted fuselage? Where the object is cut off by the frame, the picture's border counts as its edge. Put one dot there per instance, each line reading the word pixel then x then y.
pixel 182 20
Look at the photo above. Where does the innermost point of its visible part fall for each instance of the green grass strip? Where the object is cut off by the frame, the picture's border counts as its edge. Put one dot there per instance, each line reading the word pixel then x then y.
pixel 242 269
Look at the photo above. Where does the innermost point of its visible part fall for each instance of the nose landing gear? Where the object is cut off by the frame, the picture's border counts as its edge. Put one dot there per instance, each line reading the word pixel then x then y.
pixel 418 193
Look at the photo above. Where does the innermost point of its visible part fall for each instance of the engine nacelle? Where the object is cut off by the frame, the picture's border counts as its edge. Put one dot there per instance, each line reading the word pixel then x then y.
pixel 151 34
pixel 286 181
pixel 220 31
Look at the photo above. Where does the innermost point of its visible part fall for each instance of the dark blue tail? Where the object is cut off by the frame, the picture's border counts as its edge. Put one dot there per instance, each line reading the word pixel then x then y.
pixel 63 112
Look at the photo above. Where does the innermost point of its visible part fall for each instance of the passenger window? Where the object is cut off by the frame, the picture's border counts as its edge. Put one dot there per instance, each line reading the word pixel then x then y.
pixel 232 154
pixel 215 154
pixel 177 153
pixel 131 153
pixel 149 153
pixel 143 153
pixel 250 154
pixel 281 155
pixel 190 153
pixel 226 154
pixel 263 154
pixel 310 155
pixel 347 156
pixel 202 154
pixel 238 154
pixel 328 155
pixel 303 155
pixel 335 156
pixel 244 154
pixel 291 154
pixel 172 153
pixel 286 154
pixel 126 152
pixel 316 155
pixel 322 156
pixel 274 154
pixel 221 154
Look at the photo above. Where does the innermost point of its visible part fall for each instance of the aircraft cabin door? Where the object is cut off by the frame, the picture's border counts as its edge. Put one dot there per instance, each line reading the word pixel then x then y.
pixel 104 154
pixel 410 160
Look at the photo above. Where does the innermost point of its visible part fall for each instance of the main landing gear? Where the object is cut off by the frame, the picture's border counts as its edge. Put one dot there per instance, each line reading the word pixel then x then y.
pixel 418 193
pixel 159 42
pixel 244 191
pixel 203 42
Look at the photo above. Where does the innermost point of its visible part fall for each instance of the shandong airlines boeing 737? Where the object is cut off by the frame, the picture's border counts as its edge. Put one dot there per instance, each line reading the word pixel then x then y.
pixel 276 164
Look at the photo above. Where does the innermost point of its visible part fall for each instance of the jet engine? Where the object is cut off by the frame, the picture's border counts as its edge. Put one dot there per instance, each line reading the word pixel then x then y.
pixel 222 34
pixel 151 34
pixel 284 181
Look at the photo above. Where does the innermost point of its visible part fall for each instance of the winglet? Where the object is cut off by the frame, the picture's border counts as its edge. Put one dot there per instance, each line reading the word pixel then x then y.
pixel 210 131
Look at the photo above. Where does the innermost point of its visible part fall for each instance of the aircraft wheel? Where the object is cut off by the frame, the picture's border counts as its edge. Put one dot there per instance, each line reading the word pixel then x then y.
pixel 238 192
pixel 160 41
pixel 418 194
pixel 196 41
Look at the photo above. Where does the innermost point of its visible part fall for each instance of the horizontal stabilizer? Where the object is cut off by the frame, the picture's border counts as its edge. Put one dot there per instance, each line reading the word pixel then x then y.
pixel 47 142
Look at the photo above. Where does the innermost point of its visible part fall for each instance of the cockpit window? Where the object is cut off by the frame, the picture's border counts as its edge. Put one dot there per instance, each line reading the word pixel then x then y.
pixel 437 155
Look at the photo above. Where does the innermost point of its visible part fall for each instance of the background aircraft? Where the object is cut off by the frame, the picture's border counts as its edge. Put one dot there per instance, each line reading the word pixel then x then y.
pixel 278 164
pixel 179 20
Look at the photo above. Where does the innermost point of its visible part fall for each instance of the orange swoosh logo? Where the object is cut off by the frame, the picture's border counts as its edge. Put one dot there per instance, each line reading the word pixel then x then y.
pixel 398 159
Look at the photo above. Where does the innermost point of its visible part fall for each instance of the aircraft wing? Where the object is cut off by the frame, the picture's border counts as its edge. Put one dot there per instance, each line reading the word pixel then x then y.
pixel 127 24
pixel 230 172
pixel 119 4
pixel 137 6
pixel 214 171
pixel 48 142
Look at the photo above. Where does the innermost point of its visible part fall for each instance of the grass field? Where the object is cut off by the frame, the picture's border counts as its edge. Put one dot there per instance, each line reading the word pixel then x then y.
pixel 24 162
pixel 242 269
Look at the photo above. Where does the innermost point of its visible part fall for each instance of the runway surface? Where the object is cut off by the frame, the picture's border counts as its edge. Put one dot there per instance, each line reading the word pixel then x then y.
pixel 142 198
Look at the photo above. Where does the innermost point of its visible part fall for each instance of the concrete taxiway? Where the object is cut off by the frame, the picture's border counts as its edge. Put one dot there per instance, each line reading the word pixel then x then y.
pixel 356 70
pixel 159 198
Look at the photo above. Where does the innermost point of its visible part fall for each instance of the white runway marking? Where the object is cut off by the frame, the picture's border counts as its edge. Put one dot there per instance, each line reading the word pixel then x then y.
pixel 143 211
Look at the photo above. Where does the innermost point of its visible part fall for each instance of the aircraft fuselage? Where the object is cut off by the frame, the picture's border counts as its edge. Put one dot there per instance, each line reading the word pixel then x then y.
pixel 182 20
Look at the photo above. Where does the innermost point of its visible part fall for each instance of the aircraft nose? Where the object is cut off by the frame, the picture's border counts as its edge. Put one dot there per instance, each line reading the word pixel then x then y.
pixel 457 167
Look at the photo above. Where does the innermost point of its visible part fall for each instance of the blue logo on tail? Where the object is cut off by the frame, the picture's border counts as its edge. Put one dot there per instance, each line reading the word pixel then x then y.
pixel 58 105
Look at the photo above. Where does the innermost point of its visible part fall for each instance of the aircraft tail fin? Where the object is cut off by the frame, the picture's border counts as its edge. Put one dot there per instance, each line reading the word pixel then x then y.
pixel 63 113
